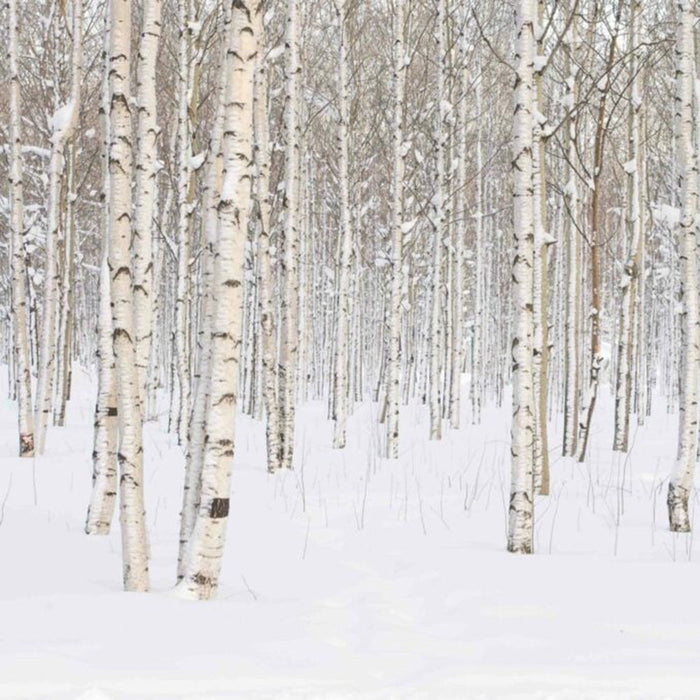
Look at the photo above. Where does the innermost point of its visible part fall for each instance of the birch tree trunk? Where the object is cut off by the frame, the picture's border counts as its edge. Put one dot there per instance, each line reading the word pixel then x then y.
pixel 267 290
pixel 572 350
pixel 521 509
pixel 540 273
pixel 340 379
pixel 681 480
pixel 440 224
pixel 64 123
pixel 20 322
pixel 145 189
pixel 290 299
pixel 630 273
pixel 210 205
pixel 130 451
pixel 204 560
pixel 183 222
pixel 104 453
pixel 399 153
pixel 596 358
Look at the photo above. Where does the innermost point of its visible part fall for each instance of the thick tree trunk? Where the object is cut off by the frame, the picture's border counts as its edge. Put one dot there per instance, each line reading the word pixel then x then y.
pixel 204 559
pixel 681 481
pixel 130 451
pixel 104 453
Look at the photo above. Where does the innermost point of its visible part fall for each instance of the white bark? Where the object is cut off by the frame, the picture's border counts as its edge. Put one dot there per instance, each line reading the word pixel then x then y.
pixel 145 188
pixel 399 153
pixel 130 451
pixel 340 379
pixel 681 480
pixel 630 273
pixel 266 281
pixel 184 152
pixel 104 454
pixel 64 123
pixel 210 205
pixel 20 327
pixel 572 350
pixel 521 509
pixel 204 559
pixel 439 224
pixel 290 263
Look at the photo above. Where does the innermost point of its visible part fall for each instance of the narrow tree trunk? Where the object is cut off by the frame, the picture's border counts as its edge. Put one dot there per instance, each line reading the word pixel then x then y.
pixel 290 262
pixel 340 378
pixel 630 273
pixel 20 327
pixel 64 123
pixel 573 256
pixel 439 224
pixel 399 153
pixel 521 510
pixel 145 189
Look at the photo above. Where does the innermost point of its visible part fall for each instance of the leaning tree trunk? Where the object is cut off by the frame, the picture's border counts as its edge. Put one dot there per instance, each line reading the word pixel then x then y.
pixel 521 510
pixel 204 559
pixel 20 327
pixel 130 451
pixel 64 124
pixel 681 480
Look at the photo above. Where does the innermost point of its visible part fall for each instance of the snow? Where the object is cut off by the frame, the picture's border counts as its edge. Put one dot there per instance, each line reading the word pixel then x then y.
pixel 356 577
pixel 62 117
pixel 540 63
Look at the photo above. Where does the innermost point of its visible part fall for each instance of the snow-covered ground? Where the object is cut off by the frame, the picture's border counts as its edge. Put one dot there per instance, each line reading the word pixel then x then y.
pixel 354 577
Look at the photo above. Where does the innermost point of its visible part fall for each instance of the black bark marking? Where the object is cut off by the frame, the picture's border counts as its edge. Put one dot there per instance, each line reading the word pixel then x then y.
pixel 219 508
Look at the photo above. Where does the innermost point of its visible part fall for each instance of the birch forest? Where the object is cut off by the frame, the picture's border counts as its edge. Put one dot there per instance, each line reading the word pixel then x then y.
pixel 327 309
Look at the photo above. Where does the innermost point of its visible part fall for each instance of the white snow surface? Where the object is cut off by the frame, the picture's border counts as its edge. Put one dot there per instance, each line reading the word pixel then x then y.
pixel 356 577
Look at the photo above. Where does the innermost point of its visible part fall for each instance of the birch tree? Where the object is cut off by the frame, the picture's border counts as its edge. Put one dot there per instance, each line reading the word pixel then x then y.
pixel 399 153
pixel 340 372
pixel 521 509
pixel 631 271
pixel 104 453
pixel 290 299
pixel 267 292
pixel 63 125
pixel 144 188
pixel 204 559
pixel 130 446
pixel 20 325
pixel 681 480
